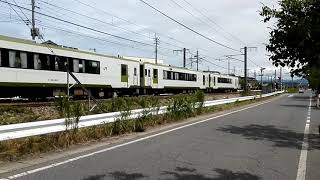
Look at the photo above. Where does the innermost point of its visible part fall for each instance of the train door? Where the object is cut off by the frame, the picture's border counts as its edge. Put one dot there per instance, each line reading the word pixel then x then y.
pixel 124 74
pixel 142 81
pixel 209 80
pixel 135 77
pixel 155 79
pixel 148 76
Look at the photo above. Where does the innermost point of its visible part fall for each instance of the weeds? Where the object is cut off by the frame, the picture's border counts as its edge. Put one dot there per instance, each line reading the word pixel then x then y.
pixel 71 111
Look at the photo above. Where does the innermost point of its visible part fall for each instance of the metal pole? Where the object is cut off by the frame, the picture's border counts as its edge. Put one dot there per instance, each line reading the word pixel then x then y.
pixel 184 57
pixel 156 51
pixel 197 60
pixel 33 20
pixel 68 83
pixel 261 77
pixel 245 69
pixel 228 66
pixel 281 78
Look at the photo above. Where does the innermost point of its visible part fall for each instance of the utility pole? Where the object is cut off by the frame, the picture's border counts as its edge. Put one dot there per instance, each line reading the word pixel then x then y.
pixel 156 50
pixel 191 61
pixel 280 78
pixel 197 60
pixel 184 57
pixel 261 69
pixel 245 69
pixel 228 66
pixel 184 50
pixel 34 30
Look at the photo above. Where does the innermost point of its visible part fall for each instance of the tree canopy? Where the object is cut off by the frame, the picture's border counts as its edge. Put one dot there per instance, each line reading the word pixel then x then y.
pixel 295 37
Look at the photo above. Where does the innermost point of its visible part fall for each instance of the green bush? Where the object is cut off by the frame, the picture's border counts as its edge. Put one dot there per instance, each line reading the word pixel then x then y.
pixel 293 90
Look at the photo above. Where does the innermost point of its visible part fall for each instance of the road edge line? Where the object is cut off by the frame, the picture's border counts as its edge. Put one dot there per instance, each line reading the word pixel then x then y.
pixel 302 166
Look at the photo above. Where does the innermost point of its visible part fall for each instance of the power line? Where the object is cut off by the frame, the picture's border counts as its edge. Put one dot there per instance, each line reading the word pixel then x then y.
pixel 79 25
pixel 22 11
pixel 183 25
pixel 147 29
pixel 27 24
pixel 235 37
pixel 130 22
pixel 180 6
pixel 98 20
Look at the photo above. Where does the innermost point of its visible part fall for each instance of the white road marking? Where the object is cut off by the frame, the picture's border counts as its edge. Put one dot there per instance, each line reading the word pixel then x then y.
pixel 125 144
pixel 301 174
pixel 291 95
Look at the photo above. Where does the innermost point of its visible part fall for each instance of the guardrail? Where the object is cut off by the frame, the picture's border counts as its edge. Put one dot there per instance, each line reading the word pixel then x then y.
pixel 15 131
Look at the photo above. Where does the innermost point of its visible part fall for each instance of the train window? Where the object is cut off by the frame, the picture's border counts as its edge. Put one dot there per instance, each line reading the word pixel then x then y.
pixel 70 64
pixel 176 76
pixel 4 58
pixel 24 62
pixel 135 71
pixel 36 61
pixel 214 81
pixel 93 67
pixel 14 59
pixel 76 65
pixel 225 80
pixel 146 72
pixel 155 73
pixel 149 74
pixel 164 74
pixel 30 64
pixel 82 67
pixel 124 68
pixel 45 61
pixel 169 75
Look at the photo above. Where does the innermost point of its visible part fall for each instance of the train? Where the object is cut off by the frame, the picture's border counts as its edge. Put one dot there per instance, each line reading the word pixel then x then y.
pixel 34 70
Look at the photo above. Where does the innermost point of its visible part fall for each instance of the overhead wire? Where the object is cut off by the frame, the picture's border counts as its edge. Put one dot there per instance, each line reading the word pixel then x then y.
pixel 95 19
pixel 139 26
pixel 212 21
pixel 194 16
pixel 81 26
pixel 187 27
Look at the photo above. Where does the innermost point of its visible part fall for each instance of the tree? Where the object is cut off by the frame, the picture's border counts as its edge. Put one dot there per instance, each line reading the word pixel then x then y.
pixel 295 37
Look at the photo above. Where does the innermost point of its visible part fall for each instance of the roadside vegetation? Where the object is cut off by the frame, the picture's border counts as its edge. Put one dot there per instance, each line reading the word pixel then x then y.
pixel 293 90
pixel 180 108
pixel 20 114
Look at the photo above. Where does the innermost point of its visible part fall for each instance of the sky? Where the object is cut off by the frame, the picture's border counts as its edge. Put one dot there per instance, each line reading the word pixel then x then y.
pixel 230 23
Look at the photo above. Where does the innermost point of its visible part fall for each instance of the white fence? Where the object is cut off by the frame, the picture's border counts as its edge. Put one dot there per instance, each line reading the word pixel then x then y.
pixel 14 131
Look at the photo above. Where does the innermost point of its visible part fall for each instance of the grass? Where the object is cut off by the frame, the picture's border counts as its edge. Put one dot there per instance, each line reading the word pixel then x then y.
pixel 180 108
pixel 293 90
pixel 11 115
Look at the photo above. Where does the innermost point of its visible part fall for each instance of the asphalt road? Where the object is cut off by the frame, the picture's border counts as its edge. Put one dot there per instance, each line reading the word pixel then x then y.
pixel 263 142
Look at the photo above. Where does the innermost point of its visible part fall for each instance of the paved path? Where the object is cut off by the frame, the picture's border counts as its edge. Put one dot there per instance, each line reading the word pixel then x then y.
pixel 263 142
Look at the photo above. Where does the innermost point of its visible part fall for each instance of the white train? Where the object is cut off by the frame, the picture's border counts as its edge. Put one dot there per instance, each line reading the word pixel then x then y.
pixel 29 69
